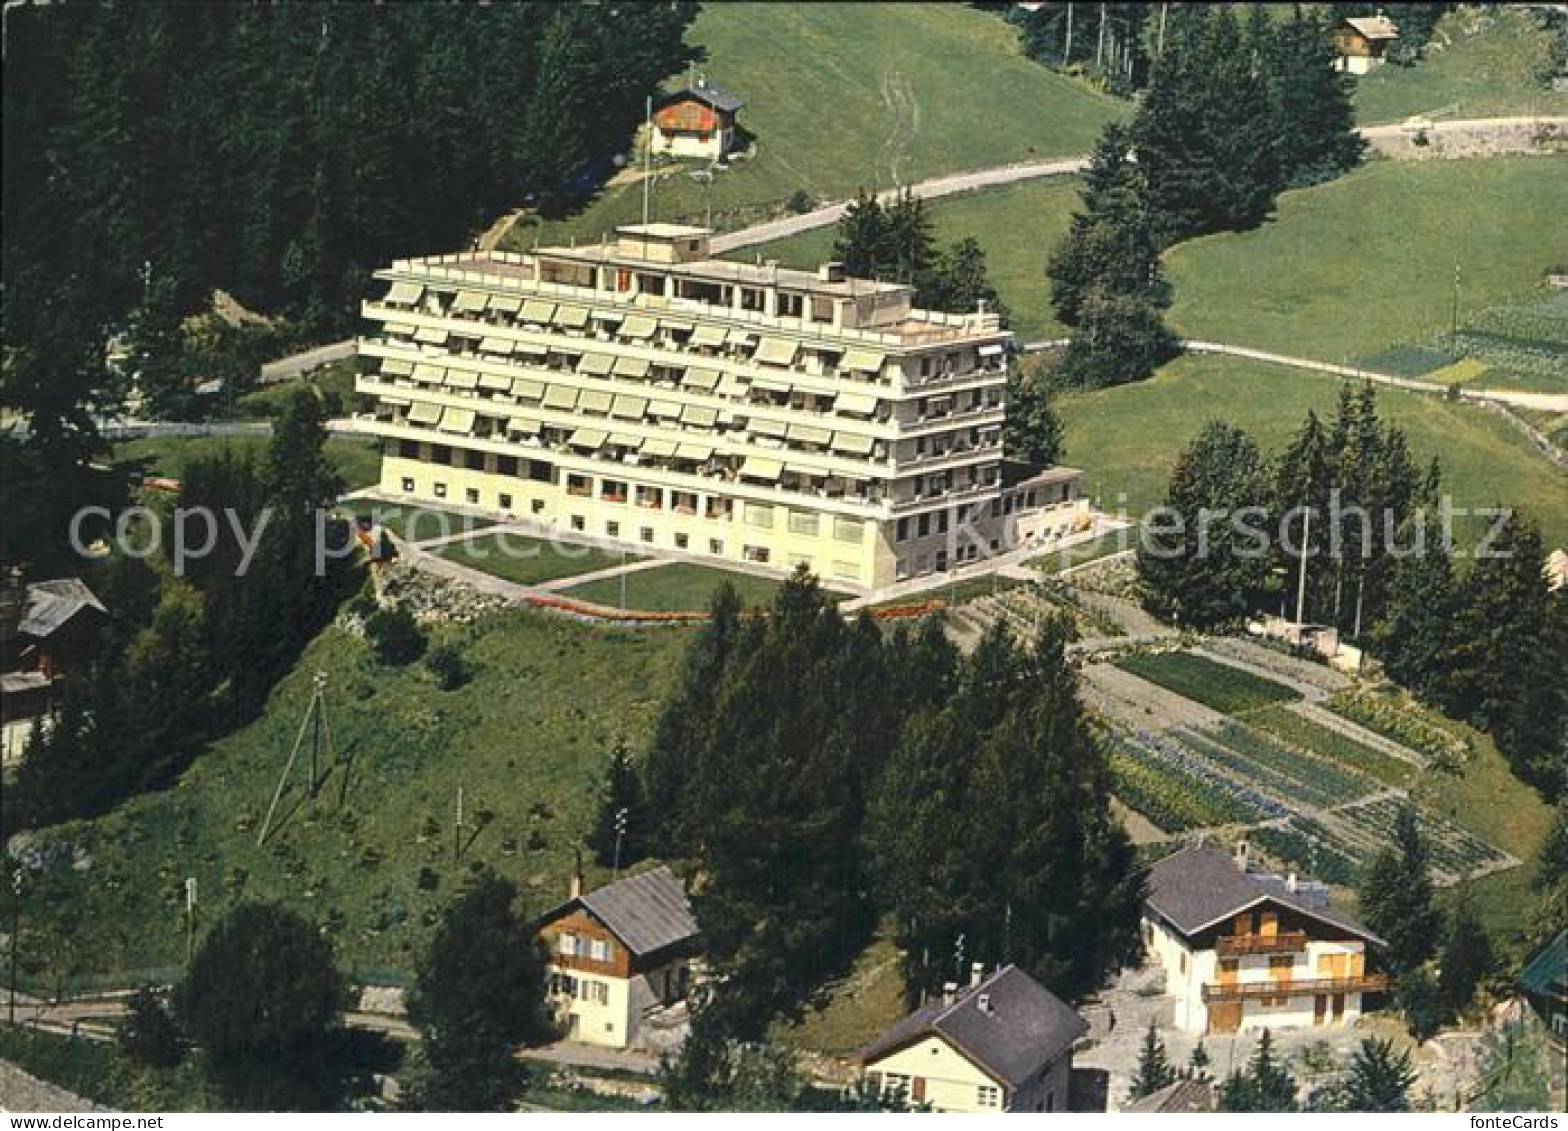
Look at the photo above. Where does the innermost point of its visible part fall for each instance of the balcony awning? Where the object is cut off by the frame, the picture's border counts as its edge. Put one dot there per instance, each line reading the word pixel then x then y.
pixel 397 368
pixel 639 326
pixel 864 361
pixel 706 335
pixel 731 385
pixel 588 438
pixel 679 324
pixel 405 293
pixel 611 316
pixel 431 374
pixel 771 384
pixel 593 400
pixel 863 403
pixel 562 397
pixel 461 379
pixel 667 410
pixel 760 467
pixel 703 379
pixel 764 427
pixel 433 335
pixel 424 413
pixel 495 382
pixel 523 426
pixel 398 328
pixel 697 452
pixel 531 349
pixel 628 408
pixel 470 302
pixel 624 440
pixel 596 364
pixel 537 311
pixel 664 449
pixel 527 388
pixel 396 402
pixel 699 415
pixel 634 367
pixel 805 472
pixel 505 304
pixel 992 349
pixel 776 351
pixel 502 346
pixel 856 443
pixel 572 317
pixel 809 434
pixel 457 420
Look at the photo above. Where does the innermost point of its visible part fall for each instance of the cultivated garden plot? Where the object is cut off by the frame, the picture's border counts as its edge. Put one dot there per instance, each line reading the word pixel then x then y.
pixel 1308 795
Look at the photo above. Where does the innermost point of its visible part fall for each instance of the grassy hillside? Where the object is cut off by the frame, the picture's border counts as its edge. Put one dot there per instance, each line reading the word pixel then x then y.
pixel 840 96
pixel 1481 63
pixel 371 857
pixel 1367 261
pixel 1018 226
pixel 1128 438
pixel 357 461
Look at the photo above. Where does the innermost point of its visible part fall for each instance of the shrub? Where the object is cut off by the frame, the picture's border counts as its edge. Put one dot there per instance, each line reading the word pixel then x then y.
pixel 446 663
pixel 395 637
pixel 148 1035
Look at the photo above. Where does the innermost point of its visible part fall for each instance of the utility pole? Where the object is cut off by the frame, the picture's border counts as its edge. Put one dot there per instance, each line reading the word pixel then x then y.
pixel 1453 337
pixel 1099 45
pixel 1159 48
pixel 620 833
pixel 623 579
pixel 190 918
pixel 16 931
pixel 1301 580
pixel 1067 50
pixel 647 155
pixel 457 828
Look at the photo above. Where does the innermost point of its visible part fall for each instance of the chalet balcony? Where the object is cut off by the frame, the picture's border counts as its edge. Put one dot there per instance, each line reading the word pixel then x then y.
pixel 1286 942
pixel 1294 987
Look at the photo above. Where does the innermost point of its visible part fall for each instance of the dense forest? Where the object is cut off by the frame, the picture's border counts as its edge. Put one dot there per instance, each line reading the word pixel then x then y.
pixel 154 152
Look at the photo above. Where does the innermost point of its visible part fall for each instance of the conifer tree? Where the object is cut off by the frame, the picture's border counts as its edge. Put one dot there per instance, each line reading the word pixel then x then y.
pixel 1266 1084
pixel 1032 432
pixel 1154 1070
pixel 1396 895
pixel 1379 1081
pixel 1311 112
pixel 1466 958
pixel 620 837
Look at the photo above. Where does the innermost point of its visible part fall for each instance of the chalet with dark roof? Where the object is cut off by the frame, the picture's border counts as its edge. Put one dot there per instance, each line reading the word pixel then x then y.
pixel 1244 950
pixel 698 120
pixel 1544 984
pixel 1362 42
pixel 1002 1043
pixel 619 957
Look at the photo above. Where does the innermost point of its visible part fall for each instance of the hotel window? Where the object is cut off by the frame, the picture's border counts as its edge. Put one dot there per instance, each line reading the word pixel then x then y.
pixel 536 505
pixel 440 453
pixel 646 534
pixel 408 484
pixel 990 1096
pixel 922 526
pixel 803 522
pixel 759 515
pixel 579 522
pixel 474 461
pixel 715 545
pixel 903 530
pixel 472 495
pixel 506 465
pixel 612 529
pixel 757 554
pixel 848 529
pixel 682 541
pixel 408 449
pixel 505 501
pixel 440 490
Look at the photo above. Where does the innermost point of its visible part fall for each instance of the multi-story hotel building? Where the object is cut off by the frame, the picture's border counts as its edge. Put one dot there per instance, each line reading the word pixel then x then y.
pixel 640 391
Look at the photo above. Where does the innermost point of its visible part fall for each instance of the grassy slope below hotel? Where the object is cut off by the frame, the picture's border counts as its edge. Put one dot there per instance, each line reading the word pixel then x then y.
pixel 841 96
pixel 371 858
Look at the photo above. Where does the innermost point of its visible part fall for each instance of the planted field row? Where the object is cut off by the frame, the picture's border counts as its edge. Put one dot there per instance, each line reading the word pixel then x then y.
pixel 1303 843
pixel 1225 689
pixel 1276 659
pixel 1283 771
pixel 1178 786
pixel 1455 850
pixel 1402 723
pixel 1288 726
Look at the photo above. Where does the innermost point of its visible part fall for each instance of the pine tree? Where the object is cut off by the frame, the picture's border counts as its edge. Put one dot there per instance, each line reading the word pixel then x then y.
pixel 1311 112
pixel 148 1035
pixel 1195 568
pixel 1198 1062
pixel 1416 638
pixel 1396 895
pixel 479 993
pixel 1378 1080
pixel 1533 733
pixel 1032 433
pixel 862 237
pixel 620 833
pixel 1154 1071
pixel 1550 878
pixel 1466 958
pixel 1265 1086
pixel 959 282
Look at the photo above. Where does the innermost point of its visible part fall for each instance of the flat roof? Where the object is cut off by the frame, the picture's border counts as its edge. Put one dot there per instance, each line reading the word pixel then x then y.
pixel 665 231
pixel 724 271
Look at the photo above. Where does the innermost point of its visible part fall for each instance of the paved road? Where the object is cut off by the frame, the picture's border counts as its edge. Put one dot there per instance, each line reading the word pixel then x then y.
pixel 299 364
pixel 927 190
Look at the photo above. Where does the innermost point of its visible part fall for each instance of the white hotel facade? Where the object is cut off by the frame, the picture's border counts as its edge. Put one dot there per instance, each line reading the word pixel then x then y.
pixel 640 391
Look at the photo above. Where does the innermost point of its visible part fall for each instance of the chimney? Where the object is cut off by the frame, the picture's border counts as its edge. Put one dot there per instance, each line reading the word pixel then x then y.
pixel 831 272
pixel 576 889
pixel 1241 855
pixel 949 993
pixel 976 973
pixel 984 1004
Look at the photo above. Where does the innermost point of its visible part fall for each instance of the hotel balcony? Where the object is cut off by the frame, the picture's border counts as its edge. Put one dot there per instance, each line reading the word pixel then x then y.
pixel 1294 987
pixel 1285 942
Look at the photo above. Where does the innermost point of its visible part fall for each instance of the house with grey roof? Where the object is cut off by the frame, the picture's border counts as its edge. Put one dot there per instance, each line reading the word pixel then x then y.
pixel 1186 1096
pixel 46 628
pixel 621 958
pixel 1001 1043
pixel 1245 950
pixel 698 120
pixel 1544 985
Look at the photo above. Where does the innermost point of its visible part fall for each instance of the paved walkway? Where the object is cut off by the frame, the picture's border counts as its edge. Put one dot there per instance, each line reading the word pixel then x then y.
pixel 592 1056
pixel 605 574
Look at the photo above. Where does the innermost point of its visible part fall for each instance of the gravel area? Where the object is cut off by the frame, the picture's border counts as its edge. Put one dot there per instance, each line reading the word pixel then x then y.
pixel 20 1091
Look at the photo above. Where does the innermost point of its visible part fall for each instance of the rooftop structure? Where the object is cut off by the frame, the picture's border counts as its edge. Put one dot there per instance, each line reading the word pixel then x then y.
pixel 641 391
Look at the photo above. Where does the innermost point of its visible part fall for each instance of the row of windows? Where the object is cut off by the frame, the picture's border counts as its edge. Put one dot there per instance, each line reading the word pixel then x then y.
pixel 600 950
pixel 579 989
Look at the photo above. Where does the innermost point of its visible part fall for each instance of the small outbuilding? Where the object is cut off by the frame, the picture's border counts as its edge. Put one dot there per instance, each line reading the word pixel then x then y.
pixel 698 120
pixel 1361 42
